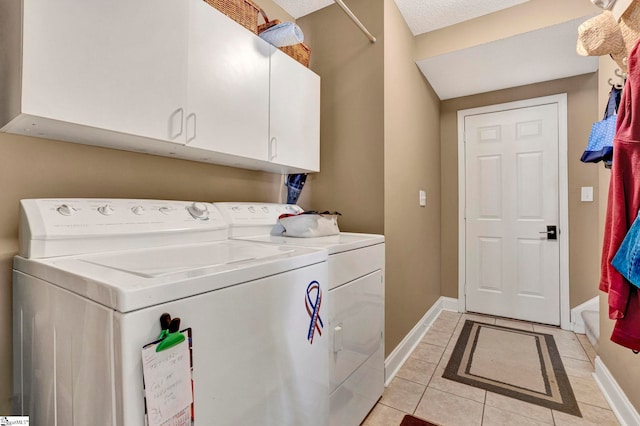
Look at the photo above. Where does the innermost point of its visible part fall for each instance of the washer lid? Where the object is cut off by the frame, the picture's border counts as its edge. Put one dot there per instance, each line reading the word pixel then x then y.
pixel 136 279
pixel 170 260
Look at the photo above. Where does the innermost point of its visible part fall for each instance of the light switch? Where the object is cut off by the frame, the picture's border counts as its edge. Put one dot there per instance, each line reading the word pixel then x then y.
pixel 423 198
pixel 587 194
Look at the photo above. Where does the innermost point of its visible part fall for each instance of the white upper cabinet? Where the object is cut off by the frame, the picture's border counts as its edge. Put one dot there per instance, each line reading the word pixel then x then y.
pixel 295 114
pixel 228 90
pixel 117 65
pixel 168 77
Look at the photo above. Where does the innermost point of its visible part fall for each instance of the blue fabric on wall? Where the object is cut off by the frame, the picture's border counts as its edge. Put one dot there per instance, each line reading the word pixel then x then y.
pixel 627 258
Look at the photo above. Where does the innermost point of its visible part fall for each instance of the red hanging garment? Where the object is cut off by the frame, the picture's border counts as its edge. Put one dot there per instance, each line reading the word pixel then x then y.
pixel 622 209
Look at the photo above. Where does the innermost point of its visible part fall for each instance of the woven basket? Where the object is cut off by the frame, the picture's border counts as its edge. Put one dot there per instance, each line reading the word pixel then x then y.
pixel 300 52
pixel 244 12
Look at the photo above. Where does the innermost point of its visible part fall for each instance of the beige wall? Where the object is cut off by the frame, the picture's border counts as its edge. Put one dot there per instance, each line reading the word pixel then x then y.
pixel 621 362
pixel 583 243
pixel 529 16
pixel 411 154
pixel 351 178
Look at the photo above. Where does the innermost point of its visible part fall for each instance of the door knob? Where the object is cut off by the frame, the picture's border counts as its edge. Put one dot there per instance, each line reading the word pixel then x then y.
pixel 552 232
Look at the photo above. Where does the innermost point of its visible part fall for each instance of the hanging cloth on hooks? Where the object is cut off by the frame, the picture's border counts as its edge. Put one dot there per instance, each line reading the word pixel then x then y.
pixel 622 208
pixel 600 146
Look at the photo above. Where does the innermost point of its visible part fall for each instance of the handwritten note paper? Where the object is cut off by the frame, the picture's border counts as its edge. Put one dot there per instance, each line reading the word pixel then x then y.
pixel 167 382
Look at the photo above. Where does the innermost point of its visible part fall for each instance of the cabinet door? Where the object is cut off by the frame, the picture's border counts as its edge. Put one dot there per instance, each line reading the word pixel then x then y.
pixel 117 65
pixel 295 114
pixel 228 93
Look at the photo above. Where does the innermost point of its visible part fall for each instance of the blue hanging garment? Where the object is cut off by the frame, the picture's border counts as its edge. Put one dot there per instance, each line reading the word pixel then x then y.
pixel 600 146
pixel 627 258
pixel 295 183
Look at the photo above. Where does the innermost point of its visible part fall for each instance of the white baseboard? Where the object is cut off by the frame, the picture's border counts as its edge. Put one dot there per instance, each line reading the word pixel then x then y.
pixel 620 405
pixel 449 304
pixel 401 352
pixel 577 323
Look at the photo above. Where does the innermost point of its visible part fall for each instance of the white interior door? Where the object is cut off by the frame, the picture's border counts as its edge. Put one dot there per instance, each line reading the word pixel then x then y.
pixel 512 264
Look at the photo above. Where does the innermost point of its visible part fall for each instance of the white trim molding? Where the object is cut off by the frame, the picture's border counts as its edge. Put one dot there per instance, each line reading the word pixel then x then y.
pixel 577 323
pixel 620 405
pixel 563 196
pixel 399 355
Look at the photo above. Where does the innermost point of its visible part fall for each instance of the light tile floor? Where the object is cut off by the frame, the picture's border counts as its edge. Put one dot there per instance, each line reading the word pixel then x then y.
pixel 419 388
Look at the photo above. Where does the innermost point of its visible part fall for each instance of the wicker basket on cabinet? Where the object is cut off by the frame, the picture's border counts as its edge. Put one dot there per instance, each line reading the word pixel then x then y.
pixel 244 12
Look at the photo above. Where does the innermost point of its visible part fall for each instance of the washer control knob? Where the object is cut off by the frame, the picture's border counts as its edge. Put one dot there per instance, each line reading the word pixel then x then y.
pixel 66 210
pixel 137 210
pixel 198 211
pixel 106 210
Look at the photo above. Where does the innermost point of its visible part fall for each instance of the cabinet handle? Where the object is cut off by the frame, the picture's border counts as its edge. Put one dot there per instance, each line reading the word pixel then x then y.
pixel 194 127
pixel 337 338
pixel 172 119
pixel 273 148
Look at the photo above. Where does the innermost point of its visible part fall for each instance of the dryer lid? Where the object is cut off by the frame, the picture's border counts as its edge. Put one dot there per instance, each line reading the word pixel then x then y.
pixel 343 241
pixel 165 261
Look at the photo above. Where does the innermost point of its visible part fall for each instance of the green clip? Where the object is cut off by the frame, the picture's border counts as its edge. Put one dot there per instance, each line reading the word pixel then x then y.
pixel 172 336
pixel 170 341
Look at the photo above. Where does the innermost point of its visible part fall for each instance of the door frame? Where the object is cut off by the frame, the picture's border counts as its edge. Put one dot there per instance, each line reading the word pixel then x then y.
pixel 563 195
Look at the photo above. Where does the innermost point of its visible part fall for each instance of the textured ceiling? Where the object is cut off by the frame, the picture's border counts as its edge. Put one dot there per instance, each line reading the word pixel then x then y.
pixel 421 15
pixel 533 57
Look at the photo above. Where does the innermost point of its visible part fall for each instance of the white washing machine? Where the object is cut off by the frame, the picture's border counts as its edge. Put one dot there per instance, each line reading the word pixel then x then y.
pixel 356 297
pixel 93 278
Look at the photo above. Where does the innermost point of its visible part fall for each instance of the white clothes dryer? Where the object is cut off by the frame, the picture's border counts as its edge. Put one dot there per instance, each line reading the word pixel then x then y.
pixel 356 297
pixel 93 278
